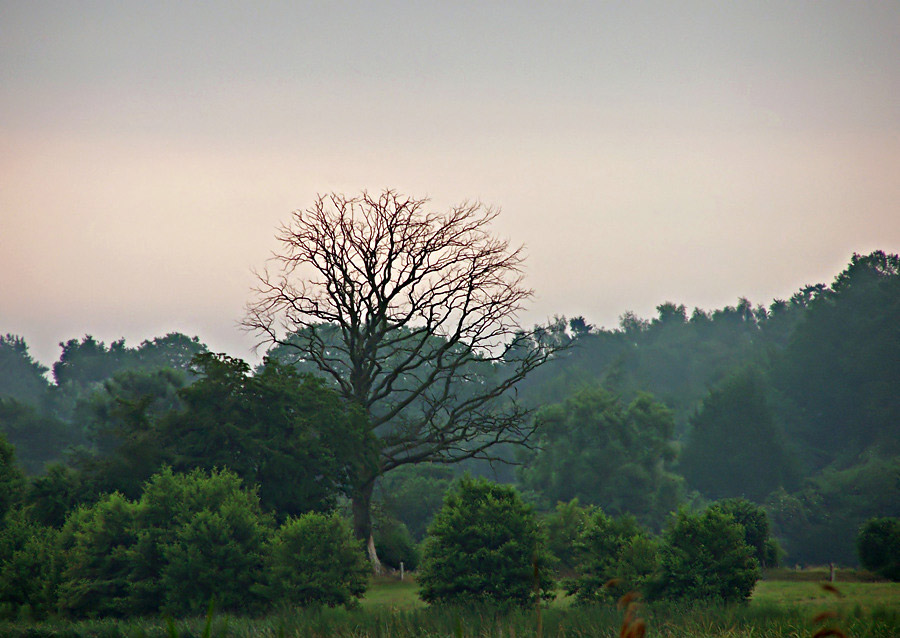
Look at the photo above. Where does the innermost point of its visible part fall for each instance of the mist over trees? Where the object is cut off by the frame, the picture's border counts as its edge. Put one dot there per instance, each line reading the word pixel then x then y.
pixel 792 407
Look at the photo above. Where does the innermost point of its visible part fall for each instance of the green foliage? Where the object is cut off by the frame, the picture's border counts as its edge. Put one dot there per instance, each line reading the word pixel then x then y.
pixel 122 419
pixel 215 555
pixel 29 567
pixel 819 523
pixel 89 361
pixel 414 493
pixel 841 368
pixel 735 448
pixel 593 448
pixel 484 545
pixel 55 493
pixel 394 544
pixel 704 557
pixel 199 537
pixel 612 548
pixel 188 540
pixel 11 480
pixel 755 522
pixel 84 365
pixel 315 560
pixel 39 437
pixel 564 527
pixel 21 377
pixel 878 546
pixel 95 542
pixel 285 431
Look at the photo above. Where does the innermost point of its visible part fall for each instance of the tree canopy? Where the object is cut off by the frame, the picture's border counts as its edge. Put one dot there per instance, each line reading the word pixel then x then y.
pixel 594 448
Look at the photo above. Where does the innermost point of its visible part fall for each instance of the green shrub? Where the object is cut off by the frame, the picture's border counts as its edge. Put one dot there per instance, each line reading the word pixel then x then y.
pixel 200 538
pixel 612 548
pixel 191 538
pixel 314 559
pixel 704 557
pixel 565 526
pixel 394 545
pixel 878 546
pixel 484 545
pixel 29 567
pixel 756 526
pixel 95 540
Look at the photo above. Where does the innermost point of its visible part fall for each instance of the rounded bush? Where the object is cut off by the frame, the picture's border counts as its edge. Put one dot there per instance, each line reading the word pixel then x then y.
pixel 878 546
pixel 200 538
pixel 190 539
pixel 216 555
pixel 705 557
pixel 484 545
pixel 612 548
pixel 757 528
pixel 314 559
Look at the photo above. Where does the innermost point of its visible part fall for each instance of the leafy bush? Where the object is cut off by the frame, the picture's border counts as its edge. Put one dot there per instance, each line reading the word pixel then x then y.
pixel 200 537
pixel 704 557
pixel 878 546
pixel 756 526
pixel 314 559
pixel 95 540
pixel 484 545
pixel 189 539
pixel 29 567
pixel 564 527
pixel 612 548
pixel 395 545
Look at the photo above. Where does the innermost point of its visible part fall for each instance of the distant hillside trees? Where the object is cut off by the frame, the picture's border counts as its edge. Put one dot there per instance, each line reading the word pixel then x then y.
pixel 840 370
pixel 21 377
pixel 735 447
pixel 594 448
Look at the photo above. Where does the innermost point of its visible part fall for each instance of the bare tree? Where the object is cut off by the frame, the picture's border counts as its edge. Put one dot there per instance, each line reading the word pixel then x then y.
pixel 412 315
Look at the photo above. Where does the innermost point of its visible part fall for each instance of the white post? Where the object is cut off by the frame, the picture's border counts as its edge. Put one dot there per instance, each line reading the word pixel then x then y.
pixel 401 570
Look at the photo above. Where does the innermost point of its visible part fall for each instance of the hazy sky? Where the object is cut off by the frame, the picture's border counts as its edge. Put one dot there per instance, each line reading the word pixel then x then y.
pixel 642 151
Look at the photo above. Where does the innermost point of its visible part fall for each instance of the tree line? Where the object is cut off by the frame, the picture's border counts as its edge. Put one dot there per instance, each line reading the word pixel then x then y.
pixel 395 364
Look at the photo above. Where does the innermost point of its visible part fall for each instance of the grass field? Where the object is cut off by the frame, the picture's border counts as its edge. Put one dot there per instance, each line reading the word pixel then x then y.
pixel 392 609
pixel 809 595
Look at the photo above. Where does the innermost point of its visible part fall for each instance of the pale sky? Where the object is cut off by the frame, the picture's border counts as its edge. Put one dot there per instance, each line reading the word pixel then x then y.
pixel 642 151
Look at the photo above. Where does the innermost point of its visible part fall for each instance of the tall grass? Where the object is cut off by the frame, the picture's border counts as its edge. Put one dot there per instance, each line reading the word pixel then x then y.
pixel 669 621
pixel 866 610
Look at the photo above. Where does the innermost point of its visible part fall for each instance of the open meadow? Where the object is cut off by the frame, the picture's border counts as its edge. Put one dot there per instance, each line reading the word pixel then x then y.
pixel 784 608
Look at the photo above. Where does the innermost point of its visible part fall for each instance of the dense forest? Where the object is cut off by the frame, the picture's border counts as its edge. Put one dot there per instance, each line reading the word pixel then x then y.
pixel 794 407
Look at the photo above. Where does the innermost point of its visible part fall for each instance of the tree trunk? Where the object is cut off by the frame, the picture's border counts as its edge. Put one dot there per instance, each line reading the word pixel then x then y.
pixel 362 523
